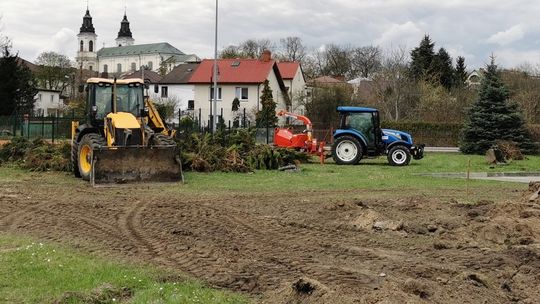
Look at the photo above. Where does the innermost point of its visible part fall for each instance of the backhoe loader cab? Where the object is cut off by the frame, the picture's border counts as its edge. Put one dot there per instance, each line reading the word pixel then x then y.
pixel 360 135
pixel 123 138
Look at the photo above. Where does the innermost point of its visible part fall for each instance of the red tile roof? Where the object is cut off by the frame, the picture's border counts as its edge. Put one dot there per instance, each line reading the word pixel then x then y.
pixel 234 71
pixel 288 69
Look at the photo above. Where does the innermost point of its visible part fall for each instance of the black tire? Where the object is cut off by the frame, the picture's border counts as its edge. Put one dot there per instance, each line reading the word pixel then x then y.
pixel 161 140
pixel 347 150
pixel 399 156
pixel 86 146
pixel 74 162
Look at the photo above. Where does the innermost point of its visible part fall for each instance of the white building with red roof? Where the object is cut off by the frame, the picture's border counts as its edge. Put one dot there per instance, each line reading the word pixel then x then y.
pixel 295 84
pixel 238 78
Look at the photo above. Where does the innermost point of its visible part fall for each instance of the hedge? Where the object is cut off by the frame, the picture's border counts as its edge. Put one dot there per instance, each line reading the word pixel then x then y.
pixel 439 134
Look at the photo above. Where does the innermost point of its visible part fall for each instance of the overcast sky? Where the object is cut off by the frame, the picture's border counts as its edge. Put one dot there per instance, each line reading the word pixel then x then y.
pixel 470 28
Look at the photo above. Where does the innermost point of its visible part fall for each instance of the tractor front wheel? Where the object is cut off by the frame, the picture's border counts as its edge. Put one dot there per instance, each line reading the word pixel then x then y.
pixel 346 150
pixel 86 147
pixel 399 156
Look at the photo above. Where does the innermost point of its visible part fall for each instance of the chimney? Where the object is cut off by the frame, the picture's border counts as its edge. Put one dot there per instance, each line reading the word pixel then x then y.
pixel 266 56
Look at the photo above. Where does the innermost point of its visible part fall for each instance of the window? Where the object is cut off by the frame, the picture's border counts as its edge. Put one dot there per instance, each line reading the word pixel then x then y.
pixel 150 65
pixel 191 104
pixel 91 46
pixel 242 93
pixel 52 98
pixel 133 66
pixel 91 68
pixel 362 122
pixel 164 92
pixel 212 94
pixel 82 46
pixel 119 68
pixel 105 68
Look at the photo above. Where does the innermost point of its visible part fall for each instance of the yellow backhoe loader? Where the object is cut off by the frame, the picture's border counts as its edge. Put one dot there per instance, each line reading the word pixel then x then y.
pixel 123 138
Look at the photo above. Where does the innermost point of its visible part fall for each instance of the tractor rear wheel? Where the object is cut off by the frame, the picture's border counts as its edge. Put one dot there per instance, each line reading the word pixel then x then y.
pixel 346 150
pixel 399 156
pixel 86 147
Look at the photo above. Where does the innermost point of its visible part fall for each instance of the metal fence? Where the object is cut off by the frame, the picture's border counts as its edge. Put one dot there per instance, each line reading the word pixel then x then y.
pixel 59 128
pixel 31 127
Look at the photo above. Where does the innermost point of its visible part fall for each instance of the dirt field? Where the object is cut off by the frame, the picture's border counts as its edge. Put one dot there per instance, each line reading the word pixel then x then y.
pixel 299 247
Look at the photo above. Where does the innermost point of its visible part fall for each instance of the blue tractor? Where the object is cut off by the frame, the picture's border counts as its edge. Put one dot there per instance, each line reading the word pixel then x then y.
pixel 360 135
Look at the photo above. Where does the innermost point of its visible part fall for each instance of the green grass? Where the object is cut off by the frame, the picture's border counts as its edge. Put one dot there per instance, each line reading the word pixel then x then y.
pixel 370 174
pixel 33 272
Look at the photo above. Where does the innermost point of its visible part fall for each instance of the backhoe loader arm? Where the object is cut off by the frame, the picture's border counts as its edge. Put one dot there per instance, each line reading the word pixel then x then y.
pixel 155 122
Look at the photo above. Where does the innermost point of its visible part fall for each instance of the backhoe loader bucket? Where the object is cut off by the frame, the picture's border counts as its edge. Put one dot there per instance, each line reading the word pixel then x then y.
pixel 135 164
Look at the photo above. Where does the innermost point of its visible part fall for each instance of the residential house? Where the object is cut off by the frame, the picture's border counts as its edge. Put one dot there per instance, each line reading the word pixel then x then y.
pixel 47 102
pixel 237 78
pixel 175 87
pixel 295 84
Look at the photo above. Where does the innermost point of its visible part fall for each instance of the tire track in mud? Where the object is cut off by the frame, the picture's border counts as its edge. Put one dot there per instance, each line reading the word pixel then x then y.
pixel 13 220
pixel 303 262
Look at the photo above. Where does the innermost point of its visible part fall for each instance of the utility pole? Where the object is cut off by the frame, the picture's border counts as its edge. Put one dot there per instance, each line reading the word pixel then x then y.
pixel 215 88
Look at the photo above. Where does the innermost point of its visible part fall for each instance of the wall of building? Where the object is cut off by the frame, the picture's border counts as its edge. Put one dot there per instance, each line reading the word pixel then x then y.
pixel 126 61
pixel 88 59
pixel 48 103
pixel 202 98
pixel 180 93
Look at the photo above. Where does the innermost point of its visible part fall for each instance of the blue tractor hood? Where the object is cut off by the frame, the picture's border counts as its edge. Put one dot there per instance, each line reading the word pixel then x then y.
pixel 390 136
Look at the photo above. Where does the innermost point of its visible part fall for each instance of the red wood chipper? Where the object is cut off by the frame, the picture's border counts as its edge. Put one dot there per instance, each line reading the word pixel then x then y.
pixel 284 137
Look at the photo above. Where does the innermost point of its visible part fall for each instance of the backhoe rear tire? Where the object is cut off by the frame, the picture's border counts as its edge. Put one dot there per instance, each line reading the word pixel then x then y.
pixel 74 162
pixel 85 152
pixel 347 150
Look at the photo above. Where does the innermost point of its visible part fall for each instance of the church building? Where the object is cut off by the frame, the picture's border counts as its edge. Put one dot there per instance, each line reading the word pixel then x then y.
pixel 126 56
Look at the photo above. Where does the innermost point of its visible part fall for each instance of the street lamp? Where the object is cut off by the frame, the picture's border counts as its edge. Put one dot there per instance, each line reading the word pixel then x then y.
pixel 215 73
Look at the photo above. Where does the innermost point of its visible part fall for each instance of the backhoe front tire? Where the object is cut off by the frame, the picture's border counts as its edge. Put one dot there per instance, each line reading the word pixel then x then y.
pixel 161 140
pixel 86 147
pixel 399 156
pixel 347 150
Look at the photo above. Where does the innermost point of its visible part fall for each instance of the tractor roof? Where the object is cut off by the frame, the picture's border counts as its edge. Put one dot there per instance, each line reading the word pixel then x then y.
pixel 356 109
pixel 118 81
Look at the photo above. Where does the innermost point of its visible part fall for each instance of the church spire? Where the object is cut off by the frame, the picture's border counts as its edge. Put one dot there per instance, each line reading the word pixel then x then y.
pixel 87 25
pixel 124 28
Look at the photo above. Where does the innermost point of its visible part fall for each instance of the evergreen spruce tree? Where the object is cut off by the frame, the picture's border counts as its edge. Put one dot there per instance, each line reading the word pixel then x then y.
pixel 492 117
pixel 461 72
pixel 234 109
pixel 421 58
pixel 17 85
pixel 442 69
pixel 266 117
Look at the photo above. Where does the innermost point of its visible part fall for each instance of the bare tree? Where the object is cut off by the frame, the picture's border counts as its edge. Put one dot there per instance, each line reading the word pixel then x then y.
pixel 54 71
pixel 253 48
pixel 392 85
pixel 337 60
pixel 4 40
pixel 230 52
pixel 366 60
pixel 292 49
pixel 525 90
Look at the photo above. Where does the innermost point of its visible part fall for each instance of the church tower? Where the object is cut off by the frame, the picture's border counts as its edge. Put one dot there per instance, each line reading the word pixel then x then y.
pixel 124 35
pixel 87 44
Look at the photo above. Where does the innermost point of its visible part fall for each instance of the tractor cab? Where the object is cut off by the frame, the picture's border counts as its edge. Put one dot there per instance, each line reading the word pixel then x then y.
pixel 365 123
pixel 360 135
